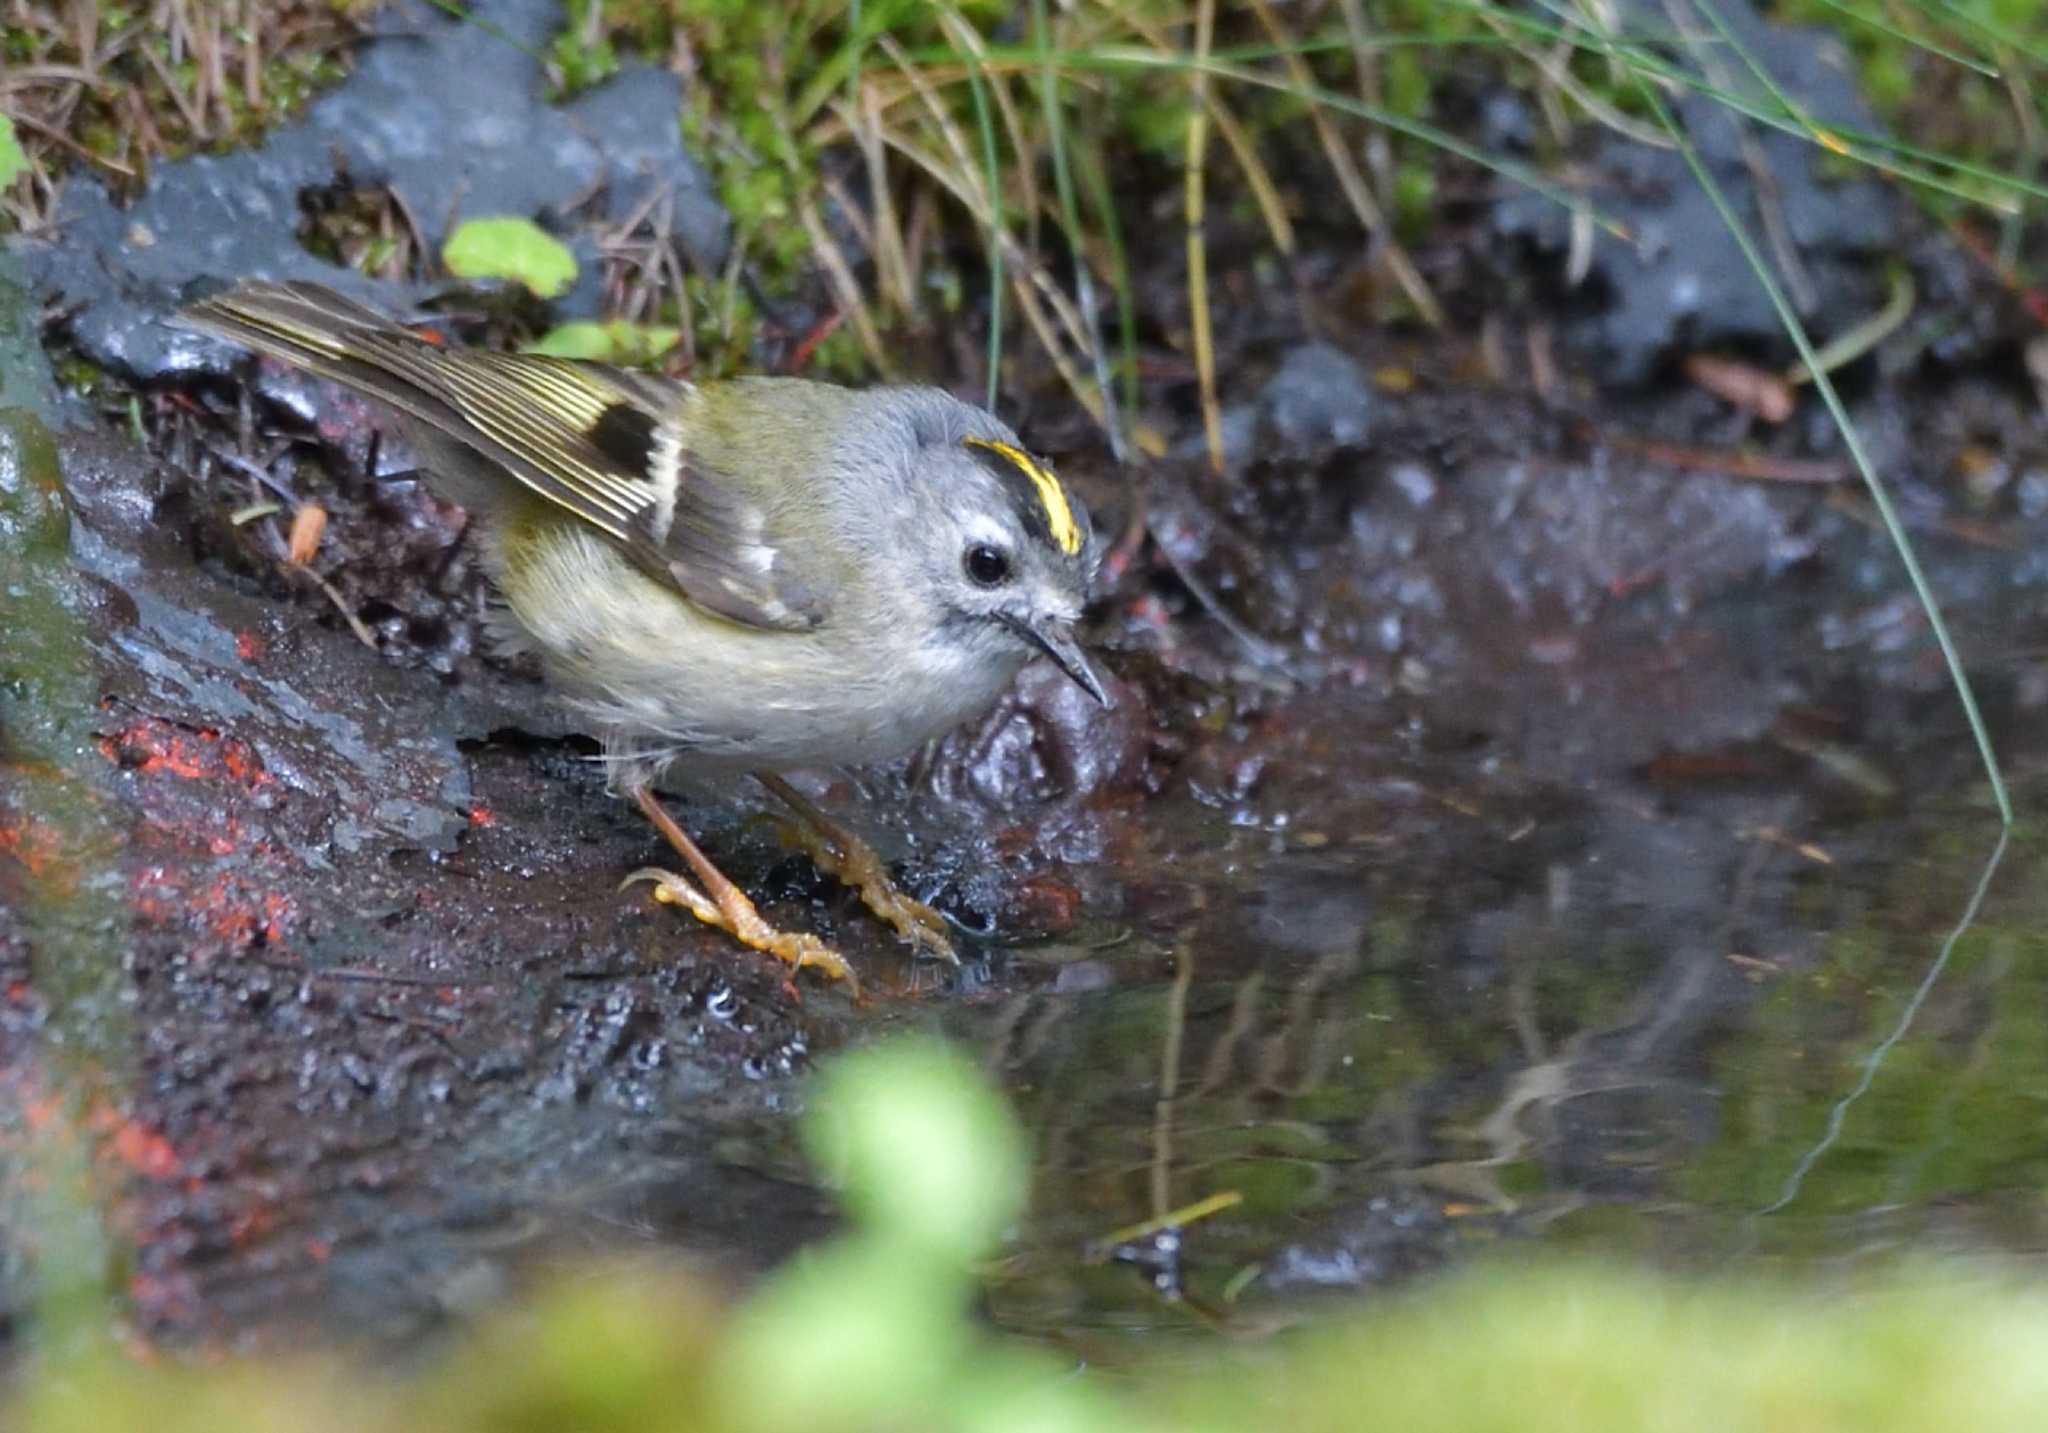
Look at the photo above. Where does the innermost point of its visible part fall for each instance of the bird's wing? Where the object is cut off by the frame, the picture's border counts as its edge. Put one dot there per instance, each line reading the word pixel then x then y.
pixel 606 444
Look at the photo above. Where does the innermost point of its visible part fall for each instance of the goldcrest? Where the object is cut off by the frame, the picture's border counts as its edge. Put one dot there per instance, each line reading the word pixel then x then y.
pixel 755 574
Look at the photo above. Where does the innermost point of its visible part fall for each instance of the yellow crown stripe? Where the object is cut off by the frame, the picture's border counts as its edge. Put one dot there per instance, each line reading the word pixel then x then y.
pixel 1059 513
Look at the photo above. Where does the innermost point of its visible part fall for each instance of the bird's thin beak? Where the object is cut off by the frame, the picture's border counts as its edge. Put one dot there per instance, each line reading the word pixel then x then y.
pixel 1057 642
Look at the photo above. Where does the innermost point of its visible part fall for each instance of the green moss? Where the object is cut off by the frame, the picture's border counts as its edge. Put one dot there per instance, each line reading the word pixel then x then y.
pixel 839 356
pixel 1415 191
pixel 1408 83
pixel 582 56
pixel 79 375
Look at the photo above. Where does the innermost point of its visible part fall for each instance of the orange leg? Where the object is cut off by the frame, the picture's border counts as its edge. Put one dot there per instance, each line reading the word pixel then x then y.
pixel 721 903
pixel 848 859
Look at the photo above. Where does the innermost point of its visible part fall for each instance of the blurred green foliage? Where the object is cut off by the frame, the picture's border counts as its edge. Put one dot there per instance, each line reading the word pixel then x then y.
pixel 611 341
pixel 875 1330
pixel 13 162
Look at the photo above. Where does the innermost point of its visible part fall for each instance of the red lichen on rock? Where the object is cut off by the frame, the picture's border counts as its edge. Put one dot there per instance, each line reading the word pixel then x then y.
pixel 152 745
pixel 32 845
pixel 230 907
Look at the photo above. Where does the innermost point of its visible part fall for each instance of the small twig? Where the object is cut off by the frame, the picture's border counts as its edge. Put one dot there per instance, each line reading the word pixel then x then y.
pixel 845 287
pixel 1969 530
pixel 178 96
pixel 1370 216
pixel 820 331
pixel 355 623
pixel 58 136
pixel 358 975
pixel 1099 1250
pixel 254 471
pixel 1260 650
pixel 1169 1086
pixel 1760 467
pixel 891 258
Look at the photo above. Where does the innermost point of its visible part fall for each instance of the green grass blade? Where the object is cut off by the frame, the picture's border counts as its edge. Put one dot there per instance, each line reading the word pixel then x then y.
pixel 1918 42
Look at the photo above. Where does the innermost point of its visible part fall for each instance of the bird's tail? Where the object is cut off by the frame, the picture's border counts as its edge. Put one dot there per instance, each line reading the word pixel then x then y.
pixel 316 329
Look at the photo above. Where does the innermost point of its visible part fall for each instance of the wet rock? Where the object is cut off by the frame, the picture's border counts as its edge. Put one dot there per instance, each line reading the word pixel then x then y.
pixel 1319 399
pixel 451 115
pixel 1039 907
pixel 1684 283
pixel 1533 591
pixel 1508 123
pixel 1046 741
pixel 632 120
pixel 377 750
pixel 1488 590
pixel 1046 777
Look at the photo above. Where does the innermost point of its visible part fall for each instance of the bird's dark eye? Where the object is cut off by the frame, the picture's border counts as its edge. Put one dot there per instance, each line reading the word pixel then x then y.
pixel 989 566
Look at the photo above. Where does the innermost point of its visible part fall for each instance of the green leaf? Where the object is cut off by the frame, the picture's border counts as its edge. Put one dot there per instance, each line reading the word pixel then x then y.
pixel 926 1155
pixel 615 342
pixel 13 160
pixel 509 248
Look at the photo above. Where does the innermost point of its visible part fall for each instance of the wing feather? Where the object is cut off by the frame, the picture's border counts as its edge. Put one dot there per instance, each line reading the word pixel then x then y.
pixel 608 445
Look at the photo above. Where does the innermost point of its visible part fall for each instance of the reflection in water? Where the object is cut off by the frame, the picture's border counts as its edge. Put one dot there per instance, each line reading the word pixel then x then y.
pixel 1623 1023
pixel 1839 1115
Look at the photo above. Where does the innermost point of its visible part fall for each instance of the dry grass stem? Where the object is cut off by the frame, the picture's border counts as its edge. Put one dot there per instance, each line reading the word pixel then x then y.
pixel 1197 242
pixel 1356 191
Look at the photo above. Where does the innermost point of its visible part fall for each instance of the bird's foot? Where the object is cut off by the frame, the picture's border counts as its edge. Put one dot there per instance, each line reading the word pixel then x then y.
pixel 853 862
pixel 736 915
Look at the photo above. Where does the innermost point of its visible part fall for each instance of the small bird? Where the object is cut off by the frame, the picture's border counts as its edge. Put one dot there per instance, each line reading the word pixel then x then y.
pixel 755 574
